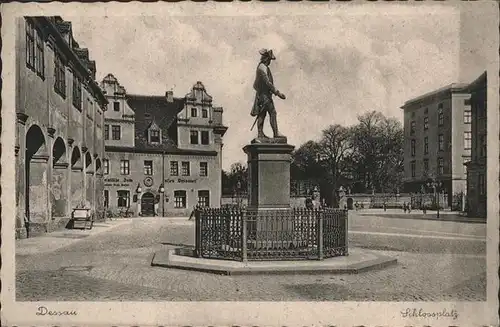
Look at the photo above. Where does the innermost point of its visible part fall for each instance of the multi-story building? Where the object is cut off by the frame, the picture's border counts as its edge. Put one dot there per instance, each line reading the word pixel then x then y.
pixel 476 168
pixel 163 154
pixel 438 140
pixel 60 119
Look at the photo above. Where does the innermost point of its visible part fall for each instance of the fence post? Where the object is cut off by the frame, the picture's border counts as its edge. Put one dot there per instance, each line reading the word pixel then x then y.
pixel 244 237
pixel 320 233
pixel 197 217
pixel 346 232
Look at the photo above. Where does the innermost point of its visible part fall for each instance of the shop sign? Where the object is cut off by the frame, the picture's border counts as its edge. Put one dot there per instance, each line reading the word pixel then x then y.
pixel 117 182
pixel 180 180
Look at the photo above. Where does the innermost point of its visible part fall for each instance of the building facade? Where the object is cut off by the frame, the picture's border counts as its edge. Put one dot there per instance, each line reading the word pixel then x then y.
pixel 476 168
pixel 438 141
pixel 163 154
pixel 59 130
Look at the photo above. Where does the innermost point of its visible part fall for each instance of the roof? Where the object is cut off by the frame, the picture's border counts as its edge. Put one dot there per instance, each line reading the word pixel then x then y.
pixel 454 87
pixel 478 83
pixel 156 110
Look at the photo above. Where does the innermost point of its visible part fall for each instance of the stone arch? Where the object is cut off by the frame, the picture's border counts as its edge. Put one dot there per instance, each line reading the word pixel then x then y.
pixel 76 177
pixel 36 173
pixel 88 162
pixel 35 142
pixel 59 151
pixel 98 166
pixel 59 185
pixel 147 204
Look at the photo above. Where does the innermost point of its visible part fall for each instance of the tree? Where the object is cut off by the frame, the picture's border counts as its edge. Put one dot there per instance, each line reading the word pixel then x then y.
pixel 335 147
pixel 236 180
pixel 378 151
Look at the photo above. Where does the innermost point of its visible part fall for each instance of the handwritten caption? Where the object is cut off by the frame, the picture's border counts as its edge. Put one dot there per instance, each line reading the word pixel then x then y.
pixel 44 311
pixel 421 313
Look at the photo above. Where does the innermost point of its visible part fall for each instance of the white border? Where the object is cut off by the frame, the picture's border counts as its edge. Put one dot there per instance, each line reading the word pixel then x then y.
pixel 228 313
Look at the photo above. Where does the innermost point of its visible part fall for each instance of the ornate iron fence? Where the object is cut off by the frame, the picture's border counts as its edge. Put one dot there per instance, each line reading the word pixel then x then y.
pixel 239 234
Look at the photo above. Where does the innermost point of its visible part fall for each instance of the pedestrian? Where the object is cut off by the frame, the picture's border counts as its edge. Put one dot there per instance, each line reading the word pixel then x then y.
pixel 424 209
pixel 404 207
pixel 385 207
pixel 195 210
pixel 409 207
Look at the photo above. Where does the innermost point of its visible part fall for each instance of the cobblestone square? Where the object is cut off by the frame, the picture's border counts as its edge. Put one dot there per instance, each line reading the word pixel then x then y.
pixel 437 261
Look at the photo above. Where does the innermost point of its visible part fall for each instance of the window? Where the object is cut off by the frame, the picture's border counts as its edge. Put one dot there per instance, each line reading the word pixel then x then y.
pixel 413 146
pixel 413 114
pixel 116 106
pixel 204 198
pixel 124 167
pixel 106 198
pixel 412 127
pixel 440 166
pixel 194 112
pixel 482 184
pixel 77 92
pixel 440 116
pixel 466 160
pixel 115 132
pixel 204 137
pixel 185 168
pixel 106 132
pixel 123 199
pixel 59 75
pixel 154 136
pixel 441 142
pixel 203 169
pixel 148 167
pixel 194 137
pixel 105 163
pixel 204 113
pixel 426 165
pixel 180 199
pixel 34 50
pixel 174 168
pixel 467 102
pixel 426 123
pixel 426 111
pixel 482 145
pixel 413 167
pixel 467 140
pixel 467 116
pixel 426 145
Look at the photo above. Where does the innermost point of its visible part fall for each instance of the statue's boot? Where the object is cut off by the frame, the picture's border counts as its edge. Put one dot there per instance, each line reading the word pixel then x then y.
pixel 260 129
pixel 274 126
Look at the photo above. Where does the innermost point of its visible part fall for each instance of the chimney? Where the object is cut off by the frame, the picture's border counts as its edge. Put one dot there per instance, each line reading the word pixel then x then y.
pixel 170 96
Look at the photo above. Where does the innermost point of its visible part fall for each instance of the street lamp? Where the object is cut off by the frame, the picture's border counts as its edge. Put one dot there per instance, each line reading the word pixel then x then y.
pixel 162 191
pixel 436 186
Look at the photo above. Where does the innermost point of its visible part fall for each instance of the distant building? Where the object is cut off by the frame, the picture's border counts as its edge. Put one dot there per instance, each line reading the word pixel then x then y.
pixel 438 140
pixel 59 129
pixel 163 154
pixel 476 168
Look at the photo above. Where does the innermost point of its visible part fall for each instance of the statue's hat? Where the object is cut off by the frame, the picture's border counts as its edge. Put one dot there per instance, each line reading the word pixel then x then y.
pixel 267 53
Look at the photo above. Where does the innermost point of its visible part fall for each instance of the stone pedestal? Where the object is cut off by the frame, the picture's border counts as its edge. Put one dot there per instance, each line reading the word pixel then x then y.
pixel 269 175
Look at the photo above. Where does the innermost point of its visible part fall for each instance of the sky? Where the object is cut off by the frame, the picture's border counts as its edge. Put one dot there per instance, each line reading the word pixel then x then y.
pixel 332 64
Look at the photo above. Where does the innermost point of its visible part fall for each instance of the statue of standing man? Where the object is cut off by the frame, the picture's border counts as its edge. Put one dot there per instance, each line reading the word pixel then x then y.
pixel 265 89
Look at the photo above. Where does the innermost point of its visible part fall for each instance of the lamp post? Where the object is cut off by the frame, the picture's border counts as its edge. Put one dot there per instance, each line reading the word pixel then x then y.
pixel 162 191
pixel 436 186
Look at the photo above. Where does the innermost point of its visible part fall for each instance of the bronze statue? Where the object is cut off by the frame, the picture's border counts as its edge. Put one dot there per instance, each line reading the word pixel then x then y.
pixel 263 104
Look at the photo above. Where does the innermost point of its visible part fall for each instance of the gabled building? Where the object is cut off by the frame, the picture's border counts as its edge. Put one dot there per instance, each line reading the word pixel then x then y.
pixel 438 140
pixel 476 167
pixel 59 130
pixel 163 153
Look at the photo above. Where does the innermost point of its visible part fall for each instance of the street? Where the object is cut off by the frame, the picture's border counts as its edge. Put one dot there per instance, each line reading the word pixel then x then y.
pixel 437 261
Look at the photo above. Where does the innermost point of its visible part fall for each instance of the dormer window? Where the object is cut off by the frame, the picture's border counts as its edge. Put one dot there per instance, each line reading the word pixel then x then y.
pixel 154 134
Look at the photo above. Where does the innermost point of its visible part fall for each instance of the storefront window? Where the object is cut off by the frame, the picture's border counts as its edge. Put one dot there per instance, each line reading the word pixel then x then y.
pixel 180 199
pixel 123 199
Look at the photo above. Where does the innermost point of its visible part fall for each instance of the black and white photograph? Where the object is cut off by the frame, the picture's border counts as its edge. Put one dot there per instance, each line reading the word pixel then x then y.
pixel 250 164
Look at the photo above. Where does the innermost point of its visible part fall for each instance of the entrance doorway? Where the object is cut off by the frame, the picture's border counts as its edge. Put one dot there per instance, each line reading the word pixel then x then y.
pixel 147 204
